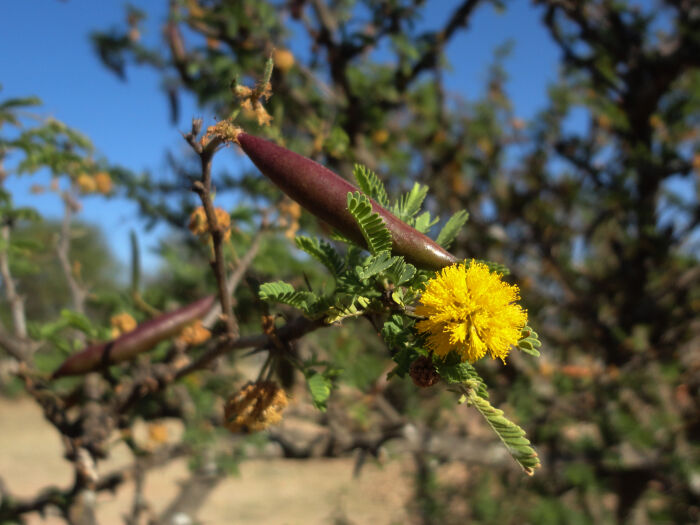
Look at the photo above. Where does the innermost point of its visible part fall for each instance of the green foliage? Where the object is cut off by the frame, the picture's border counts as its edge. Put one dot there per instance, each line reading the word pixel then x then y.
pixel 320 383
pixel 529 342
pixel 40 276
pixel 496 267
pixel 9 108
pixel 451 228
pixel 57 334
pixel 593 203
pixel 285 293
pixel 512 436
pixel 371 224
pixel 320 388
pixel 410 203
pixel 453 371
pixel 322 252
pixel 344 306
pixel 376 264
pixel 370 184
pixel 397 334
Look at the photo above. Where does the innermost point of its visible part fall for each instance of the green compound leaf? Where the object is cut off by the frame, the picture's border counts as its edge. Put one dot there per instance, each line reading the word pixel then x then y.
pixel 423 222
pixel 512 436
pixel 529 342
pixel 401 272
pixel 454 371
pixel 320 388
pixel 495 267
pixel 24 213
pixel 376 264
pixel 339 237
pixel 281 292
pixel 451 228
pixel 396 332
pixel 78 321
pixel 370 184
pixel 346 306
pixel 322 252
pixel 410 203
pixel 371 224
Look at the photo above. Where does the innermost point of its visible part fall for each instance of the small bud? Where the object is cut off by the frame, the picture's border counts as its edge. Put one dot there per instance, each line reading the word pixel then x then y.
pixel 423 372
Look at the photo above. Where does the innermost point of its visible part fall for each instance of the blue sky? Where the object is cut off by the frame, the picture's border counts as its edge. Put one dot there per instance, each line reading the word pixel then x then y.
pixel 45 51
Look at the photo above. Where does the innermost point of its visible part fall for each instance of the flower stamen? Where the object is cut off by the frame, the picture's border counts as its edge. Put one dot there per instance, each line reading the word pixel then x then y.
pixel 472 311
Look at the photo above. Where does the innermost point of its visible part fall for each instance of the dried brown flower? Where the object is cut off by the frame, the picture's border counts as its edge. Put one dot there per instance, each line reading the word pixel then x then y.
pixel 194 334
pixel 255 407
pixel 103 182
pixel 86 183
pixel 198 224
pixel 122 323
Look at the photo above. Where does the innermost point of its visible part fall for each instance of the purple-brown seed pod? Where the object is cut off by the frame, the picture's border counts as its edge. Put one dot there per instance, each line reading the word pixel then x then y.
pixel 144 337
pixel 324 194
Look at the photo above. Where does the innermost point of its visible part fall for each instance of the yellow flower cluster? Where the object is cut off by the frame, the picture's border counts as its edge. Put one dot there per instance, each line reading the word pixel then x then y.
pixel 122 323
pixel 251 102
pixel 198 224
pixel 255 407
pixel 99 183
pixel 224 129
pixel 472 311
pixel 284 59
pixel 194 334
pixel 290 212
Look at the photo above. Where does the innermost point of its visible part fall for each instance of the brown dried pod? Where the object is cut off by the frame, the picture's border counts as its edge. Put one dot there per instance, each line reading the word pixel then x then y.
pixel 144 337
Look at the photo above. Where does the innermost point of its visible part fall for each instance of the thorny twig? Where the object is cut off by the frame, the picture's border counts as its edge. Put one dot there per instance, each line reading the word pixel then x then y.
pixel 203 189
pixel 242 265
pixel 77 292
pixel 16 301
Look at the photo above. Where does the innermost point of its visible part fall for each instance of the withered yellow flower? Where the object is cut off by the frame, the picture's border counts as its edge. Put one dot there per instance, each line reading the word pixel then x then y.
pixel 122 323
pixel 86 183
pixel 199 225
pixel 103 182
pixel 194 334
pixel 255 407
pixel 284 59
pixel 472 311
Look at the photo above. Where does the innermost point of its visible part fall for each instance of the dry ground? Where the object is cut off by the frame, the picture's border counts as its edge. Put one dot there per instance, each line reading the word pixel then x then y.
pixel 267 492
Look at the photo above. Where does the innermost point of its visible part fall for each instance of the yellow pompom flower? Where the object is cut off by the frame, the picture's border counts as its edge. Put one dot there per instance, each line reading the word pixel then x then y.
pixel 472 311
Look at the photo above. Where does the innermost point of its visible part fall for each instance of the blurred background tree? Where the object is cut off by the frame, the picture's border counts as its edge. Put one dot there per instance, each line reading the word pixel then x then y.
pixel 597 221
